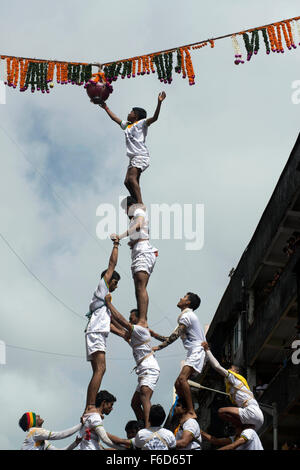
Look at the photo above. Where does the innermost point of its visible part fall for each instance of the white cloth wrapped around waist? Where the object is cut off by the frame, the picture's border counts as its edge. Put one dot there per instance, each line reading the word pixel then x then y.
pixel 142 246
pixel 194 348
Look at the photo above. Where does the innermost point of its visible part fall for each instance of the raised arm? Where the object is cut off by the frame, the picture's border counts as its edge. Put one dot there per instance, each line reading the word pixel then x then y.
pixel 109 112
pixel 117 315
pixel 180 330
pixel 213 361
pixel 116 330
pixel 154 118
pixel 135 228
pixel 112 260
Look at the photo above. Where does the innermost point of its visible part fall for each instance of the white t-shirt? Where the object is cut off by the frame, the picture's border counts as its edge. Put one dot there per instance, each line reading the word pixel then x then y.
pixel 242 395
pixel 100 320
pixel 141 346
pixel 155 443
pixel 142 234
pixel 252 441
pixel 135 137
pixel 194 335
pixel 36 439
pixel 193 427
pixel 90 440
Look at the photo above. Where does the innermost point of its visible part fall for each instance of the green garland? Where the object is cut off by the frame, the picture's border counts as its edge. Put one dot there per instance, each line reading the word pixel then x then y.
pixel 266 39
pixel 252 47
pixel 168 58
pixel 178 66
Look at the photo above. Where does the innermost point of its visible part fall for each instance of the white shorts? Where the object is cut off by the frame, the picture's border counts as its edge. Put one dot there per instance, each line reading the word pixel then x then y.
pixel 143 261
pixel 252 414
pixel 95 342
pixel 148 378
pixel 195 359
pixel 139 161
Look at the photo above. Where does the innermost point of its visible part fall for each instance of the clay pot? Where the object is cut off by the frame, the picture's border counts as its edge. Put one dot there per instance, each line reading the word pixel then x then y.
pixel 97 90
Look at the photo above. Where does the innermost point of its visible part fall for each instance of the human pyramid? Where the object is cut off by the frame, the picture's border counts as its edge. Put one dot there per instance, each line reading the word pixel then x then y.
pixel 103 317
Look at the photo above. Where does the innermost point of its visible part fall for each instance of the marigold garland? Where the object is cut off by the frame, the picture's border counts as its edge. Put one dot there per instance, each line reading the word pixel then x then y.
pixel 189 67
pixel 290 33
pixel 182 63
pixel 39 74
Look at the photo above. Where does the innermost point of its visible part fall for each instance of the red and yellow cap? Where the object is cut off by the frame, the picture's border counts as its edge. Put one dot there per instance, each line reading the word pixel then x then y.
pixel 31 419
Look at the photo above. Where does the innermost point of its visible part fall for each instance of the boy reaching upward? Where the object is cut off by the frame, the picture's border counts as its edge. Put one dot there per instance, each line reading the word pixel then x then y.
pixel 135 128
pixel 99 326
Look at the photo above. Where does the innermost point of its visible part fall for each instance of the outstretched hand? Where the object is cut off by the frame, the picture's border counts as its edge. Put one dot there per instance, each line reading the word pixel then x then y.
pixel 114 237
pixel 155 348
pixel 161 96
pixel 99 101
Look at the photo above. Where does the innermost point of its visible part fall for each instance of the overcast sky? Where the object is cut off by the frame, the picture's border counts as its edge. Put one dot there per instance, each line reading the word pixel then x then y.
pixel 222 143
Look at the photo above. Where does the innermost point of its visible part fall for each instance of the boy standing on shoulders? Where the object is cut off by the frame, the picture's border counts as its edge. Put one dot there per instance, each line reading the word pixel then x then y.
pixel 99 326
pixel 135 128
pixel 143 254
pixel 192 335
pixel 147 368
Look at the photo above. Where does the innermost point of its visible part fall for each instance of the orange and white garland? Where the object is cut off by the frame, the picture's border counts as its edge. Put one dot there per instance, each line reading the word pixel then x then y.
pixel 39 74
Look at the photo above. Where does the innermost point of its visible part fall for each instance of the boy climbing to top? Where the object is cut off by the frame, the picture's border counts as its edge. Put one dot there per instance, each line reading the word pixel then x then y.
pixel 136 128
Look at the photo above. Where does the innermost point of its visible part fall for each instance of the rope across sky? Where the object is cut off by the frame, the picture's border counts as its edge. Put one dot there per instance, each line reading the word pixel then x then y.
pixel 38 74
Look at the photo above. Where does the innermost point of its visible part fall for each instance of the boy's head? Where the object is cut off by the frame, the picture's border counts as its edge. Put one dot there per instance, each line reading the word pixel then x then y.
pixel 235 369
pixel 180 407
pixel 113 283
pixel 134 316
pixel 106 401
pixel 30 420
pixel 136 114
pixel 157 415
pixel 190 300
pixel 127 203
pixel 131 429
